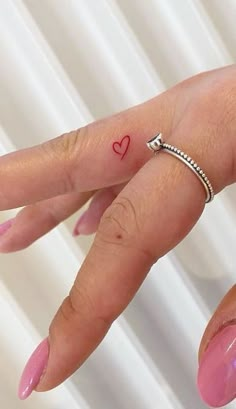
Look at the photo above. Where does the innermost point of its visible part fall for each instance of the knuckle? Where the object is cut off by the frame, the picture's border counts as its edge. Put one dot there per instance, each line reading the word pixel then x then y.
pixel 65 146
pixel 120 226
pixel 79 307
pixel 68 144
pixel 66 149
pixel 67 309
pixel 82 300
pixel 119 223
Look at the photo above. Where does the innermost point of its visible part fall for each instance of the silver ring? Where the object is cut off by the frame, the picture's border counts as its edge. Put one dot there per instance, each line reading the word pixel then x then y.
pixel 156 145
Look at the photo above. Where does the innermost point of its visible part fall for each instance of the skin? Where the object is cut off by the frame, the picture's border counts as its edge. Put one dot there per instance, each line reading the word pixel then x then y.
pixel 141 208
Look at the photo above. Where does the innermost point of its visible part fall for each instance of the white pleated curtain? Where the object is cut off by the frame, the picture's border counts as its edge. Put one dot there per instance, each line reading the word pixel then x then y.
pixel 65 63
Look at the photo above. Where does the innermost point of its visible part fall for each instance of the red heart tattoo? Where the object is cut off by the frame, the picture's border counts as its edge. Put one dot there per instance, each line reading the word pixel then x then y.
pixel 122 146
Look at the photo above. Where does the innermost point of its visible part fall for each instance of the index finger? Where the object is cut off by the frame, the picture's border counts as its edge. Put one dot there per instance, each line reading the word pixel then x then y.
pixel 100 154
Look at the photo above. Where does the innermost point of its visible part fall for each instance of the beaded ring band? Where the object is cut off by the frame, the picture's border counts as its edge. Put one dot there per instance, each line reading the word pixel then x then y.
pixel 157 145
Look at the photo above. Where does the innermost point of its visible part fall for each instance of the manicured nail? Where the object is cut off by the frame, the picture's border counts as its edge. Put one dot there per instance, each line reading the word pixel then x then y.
pixel 5 226
pixel 81 226
pixel 217 370
pixel 34 370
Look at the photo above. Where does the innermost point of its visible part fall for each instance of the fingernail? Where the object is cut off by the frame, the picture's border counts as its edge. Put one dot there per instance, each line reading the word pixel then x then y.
pixel 5 226
pixel 217 370
pixel 81 226
pixel 34 370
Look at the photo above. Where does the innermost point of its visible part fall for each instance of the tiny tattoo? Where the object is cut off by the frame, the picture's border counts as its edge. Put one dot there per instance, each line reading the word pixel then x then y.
pixel 121 147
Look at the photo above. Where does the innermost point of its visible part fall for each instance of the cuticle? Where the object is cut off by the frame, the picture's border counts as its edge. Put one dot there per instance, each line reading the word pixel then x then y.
pixel 219 329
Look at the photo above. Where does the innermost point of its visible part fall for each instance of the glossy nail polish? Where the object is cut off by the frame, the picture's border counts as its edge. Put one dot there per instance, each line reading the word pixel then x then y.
pixel 5 226
pixel 34 369
pixel 217 370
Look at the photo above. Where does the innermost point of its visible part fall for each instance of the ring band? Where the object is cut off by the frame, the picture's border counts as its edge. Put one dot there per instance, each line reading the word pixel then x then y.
pixel 156 145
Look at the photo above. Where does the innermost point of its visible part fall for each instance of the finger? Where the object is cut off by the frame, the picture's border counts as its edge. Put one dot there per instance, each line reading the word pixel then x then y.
pixel 217 354
pixel 89 220
pixel 156 209
pixel 104 153
pixel 33 221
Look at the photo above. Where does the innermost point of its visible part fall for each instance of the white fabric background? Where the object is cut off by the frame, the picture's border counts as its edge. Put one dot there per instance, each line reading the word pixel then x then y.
pixel 65 63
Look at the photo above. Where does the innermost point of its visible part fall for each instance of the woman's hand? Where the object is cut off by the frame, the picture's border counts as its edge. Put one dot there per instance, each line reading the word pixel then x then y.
pixel 143 205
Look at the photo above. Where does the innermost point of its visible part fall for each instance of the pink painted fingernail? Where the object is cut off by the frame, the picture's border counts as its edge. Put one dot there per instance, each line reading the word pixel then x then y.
pixel 81 226
pixel 217 370
pixel 5 226
pixel 34 370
